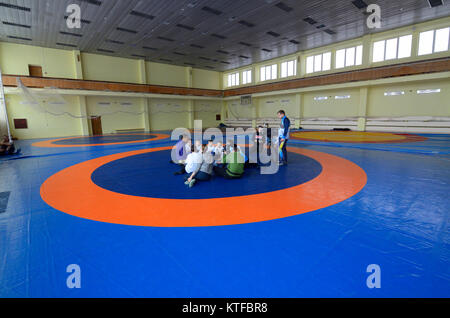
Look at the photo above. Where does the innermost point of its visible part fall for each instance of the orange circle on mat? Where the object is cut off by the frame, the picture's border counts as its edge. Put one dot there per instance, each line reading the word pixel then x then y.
pixel 50 143
pixel 355 136
pixel 73 192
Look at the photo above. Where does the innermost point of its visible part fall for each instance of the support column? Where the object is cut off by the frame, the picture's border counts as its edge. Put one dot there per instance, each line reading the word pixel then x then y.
pixel 299 103
pixel 78 72
pixel 85 123
pixel 191 107
pixel 224 112
pixel 367 59
pixel 362 109
pixel 255 111
pixel 142 71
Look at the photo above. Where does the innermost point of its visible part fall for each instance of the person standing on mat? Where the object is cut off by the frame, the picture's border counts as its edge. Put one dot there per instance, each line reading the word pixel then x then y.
pixel 283 136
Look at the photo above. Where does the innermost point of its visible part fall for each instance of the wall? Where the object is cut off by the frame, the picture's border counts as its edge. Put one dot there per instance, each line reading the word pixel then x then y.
pixel 15 58
pixel 206 79
pixel 410 104
pixel 107 68
pixel 331 107
pixel 41 123
pixel 167 75
pixel 207 111
pixel 116 116
pixel 168 114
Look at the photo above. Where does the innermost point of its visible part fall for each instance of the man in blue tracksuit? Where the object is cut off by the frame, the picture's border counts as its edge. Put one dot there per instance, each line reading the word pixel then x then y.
pixel 283 136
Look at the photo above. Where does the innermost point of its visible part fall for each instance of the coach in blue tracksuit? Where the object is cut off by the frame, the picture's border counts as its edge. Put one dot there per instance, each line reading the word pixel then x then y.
pixel 283 136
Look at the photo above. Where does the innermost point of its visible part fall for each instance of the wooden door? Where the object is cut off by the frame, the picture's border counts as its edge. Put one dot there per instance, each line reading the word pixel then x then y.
pixel 97 126
pixel 35 70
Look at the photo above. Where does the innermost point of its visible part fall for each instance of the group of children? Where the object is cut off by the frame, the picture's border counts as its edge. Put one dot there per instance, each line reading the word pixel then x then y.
pixel 199 161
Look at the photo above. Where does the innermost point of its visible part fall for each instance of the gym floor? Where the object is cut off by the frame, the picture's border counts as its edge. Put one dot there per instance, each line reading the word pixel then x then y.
pixel 112 205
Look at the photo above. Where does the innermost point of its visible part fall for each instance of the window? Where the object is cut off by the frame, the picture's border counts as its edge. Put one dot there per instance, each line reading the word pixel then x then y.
pixel 428 91
pixel 321 98
pixel 342 97
pixel 394 93
pixel 349 57
pixel 268 72
pixel 246 77
pixel 434 41
pixel 318 63
pixel 391 49
pixel 233 79
pixel 289 68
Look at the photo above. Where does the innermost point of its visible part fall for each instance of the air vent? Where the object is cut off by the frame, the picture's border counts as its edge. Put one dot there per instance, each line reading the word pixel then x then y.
pixel 435 3
pixel 224 62
pixel 126 30
pixel 294 42
pixel 150 48
pixel 245 43
pixel 320 26
pixel 274 34
pixel 185 27
pixel 165 39
pixel 12 6
pixel 212 11
pixel 197 46
pixel 19 38
pixel 114 42
pixel 210 67
pixel 283 7
pixel 82 20
pixel 136 55
pixel 330 32
pixel 246 23
pixel 219 36
pixel 222 51
pixel 310 20
pixel 71 34
pixel 360 4
pixel 191 64
pixel 65 44
pixel 266 50
pixel 17 25
pixel 165 60
pixel 205 58
pixel 243 56
pixel 178 53
pixel 142 15
pixel 105 51
pixel 94 2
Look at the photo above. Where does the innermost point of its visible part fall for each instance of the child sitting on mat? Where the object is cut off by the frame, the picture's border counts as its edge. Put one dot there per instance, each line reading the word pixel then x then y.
pixel 218 153
pixel 233 167
pixel 210 147
pixel 193 161
pixel 205 170
pixel 198 146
